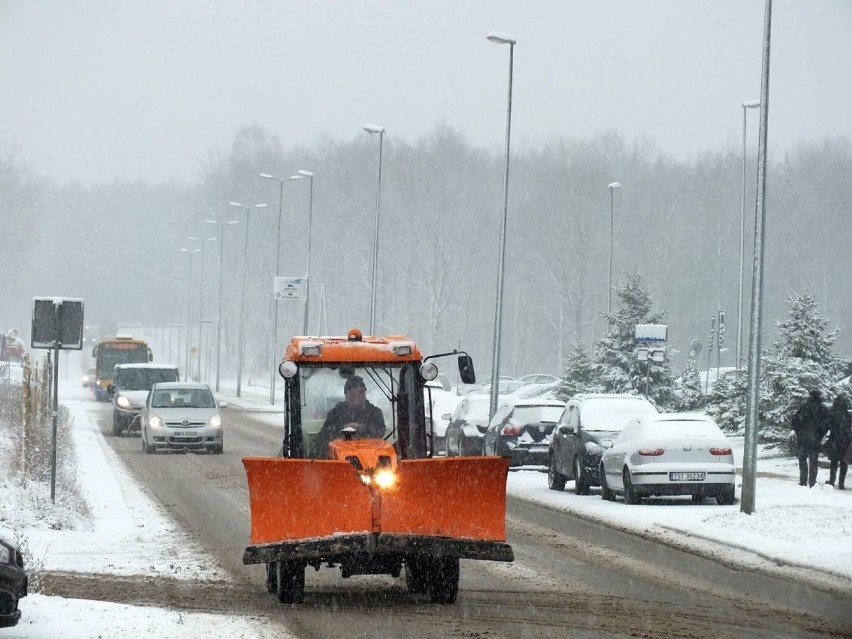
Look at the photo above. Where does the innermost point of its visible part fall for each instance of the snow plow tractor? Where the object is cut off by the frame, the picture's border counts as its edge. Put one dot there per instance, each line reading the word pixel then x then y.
pixel 356 485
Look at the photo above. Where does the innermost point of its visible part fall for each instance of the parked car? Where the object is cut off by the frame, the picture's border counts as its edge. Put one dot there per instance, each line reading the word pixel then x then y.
pixel 538 378
pixel 508 384
pixel 89 378
pixel 129 391
pixel 181 415
pixel 577 443
pixel 467 425
pixel 13 582
pixel 537 391
pixel 669 454
pixel 521 430
pixel 443 403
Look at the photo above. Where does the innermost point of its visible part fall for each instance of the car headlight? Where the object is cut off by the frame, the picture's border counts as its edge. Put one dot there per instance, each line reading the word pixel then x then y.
pixel 122 402
pixel 154 421
pixel 215 421
pixel 594 449
pixel 5 555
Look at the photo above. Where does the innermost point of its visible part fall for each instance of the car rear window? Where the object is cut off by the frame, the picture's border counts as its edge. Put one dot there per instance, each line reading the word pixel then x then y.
pixel 532 414
pixel 613 413
pixel 682 428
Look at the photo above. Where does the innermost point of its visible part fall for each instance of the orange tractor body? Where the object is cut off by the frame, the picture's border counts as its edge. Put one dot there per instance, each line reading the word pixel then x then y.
pixel 372 505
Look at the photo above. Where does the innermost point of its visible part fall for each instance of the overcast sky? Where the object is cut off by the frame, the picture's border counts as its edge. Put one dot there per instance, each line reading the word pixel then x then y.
pixel 143 89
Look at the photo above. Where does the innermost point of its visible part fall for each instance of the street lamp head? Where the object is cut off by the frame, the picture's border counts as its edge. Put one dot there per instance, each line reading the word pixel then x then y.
pixel 266 176
pixel 304 173
pixel 614 185
pixel 296 177
pixel 501 38
pixel 236 204
pixel 751 104
pixel 258 206
pixel 374 128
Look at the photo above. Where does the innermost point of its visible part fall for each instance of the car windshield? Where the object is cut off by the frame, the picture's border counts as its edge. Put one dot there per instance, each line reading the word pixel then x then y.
pixel 142 379
pixel 681 428
pixel 532 414
pixel 613 413
pixel 183 398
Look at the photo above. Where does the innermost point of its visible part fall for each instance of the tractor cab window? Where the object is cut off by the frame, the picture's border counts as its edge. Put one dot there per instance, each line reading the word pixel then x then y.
pixel 362 398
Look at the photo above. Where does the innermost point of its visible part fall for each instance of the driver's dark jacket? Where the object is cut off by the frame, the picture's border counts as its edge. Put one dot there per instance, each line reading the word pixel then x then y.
pixel 371 423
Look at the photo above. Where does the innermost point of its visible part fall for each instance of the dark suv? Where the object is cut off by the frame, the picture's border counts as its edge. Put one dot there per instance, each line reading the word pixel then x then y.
pixel 586 428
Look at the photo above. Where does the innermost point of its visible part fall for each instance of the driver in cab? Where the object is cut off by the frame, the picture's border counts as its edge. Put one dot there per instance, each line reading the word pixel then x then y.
pixel 354 411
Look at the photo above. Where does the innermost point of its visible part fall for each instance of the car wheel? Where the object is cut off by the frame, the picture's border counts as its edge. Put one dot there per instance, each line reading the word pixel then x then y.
pixel 289 582
pixel 555 479
pixel 217 450
pixel 444 580
pixel 271 583
pixel 581 480
pixel 606 492
pixel 726 496
pixel 116 427
pixel 630 495
pixel 148 449
pixel 462 445
pixel 697 499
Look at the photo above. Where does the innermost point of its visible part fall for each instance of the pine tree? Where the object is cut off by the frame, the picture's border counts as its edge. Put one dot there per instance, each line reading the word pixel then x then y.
pixel 798 361
pixel 579 374
pixel 615 365
pixel 688 394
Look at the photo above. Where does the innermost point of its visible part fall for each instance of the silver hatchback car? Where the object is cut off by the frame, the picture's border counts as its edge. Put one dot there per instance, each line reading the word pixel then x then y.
pixel 181 415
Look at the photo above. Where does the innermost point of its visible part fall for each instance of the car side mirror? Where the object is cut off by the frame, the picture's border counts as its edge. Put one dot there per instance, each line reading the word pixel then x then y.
pixel 564 430
pixel 447 416
pixel 111 390
pixel 223 404
pixel 576 429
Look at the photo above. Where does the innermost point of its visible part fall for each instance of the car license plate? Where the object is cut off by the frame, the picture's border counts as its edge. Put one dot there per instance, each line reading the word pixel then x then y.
pixel 190 433
pixel 686 476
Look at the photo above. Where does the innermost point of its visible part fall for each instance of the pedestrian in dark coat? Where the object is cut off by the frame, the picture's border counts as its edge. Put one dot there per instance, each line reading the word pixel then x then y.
pixel 810 423
pixel 839 438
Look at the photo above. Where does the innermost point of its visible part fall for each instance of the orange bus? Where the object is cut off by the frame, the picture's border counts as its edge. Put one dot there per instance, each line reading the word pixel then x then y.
pixel 109 351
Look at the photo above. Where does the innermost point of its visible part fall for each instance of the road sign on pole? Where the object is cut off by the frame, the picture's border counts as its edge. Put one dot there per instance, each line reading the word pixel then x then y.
pixel 288 288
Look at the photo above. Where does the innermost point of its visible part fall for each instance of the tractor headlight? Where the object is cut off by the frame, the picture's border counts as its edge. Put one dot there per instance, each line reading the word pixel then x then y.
pixel 215 421
pixel 122 402
pixel 384 478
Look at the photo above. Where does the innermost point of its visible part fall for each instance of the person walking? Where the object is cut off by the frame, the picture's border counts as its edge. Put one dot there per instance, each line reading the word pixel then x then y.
pixel 810 424
pixel 839 438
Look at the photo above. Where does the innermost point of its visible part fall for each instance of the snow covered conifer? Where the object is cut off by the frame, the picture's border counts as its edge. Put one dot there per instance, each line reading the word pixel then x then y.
pixel 579 374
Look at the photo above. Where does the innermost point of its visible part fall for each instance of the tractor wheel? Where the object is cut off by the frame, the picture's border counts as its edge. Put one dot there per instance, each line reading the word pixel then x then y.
pixel 555 479
pixel 290 582
pixel 581 480
pixel 416 577
pixel 444 583
pixel 462 445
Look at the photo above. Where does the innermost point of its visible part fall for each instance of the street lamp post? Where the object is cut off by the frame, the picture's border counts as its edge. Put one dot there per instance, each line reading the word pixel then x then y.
pixel 612 186
pixel 243 299
pixel 177 326
pixel 749 104
pixel 501 38
pixel 201 243
pixel 274 369
pixel 375 128
pixel 188 308
pixel 310 175
pixel 219 315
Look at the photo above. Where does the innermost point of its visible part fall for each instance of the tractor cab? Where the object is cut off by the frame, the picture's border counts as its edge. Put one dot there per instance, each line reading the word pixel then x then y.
pixel 317 372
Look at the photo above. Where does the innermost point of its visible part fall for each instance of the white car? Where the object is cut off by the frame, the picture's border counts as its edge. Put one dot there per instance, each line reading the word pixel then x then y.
pixel 444 402
pixel 182 415
pixel 669 454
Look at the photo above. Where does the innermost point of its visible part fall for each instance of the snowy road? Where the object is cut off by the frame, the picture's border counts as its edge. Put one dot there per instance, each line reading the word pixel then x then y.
pixel 570 578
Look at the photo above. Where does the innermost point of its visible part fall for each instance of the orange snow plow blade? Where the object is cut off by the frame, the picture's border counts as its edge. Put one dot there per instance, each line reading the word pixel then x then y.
pixel 294 499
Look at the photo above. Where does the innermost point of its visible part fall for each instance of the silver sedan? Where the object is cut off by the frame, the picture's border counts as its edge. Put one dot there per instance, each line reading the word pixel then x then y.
pixel 181 415
pixel 669 454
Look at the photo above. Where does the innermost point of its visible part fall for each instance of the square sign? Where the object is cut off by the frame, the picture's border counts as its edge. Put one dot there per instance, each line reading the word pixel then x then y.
pixel 57 323
pixel 288 288
pixel 653 333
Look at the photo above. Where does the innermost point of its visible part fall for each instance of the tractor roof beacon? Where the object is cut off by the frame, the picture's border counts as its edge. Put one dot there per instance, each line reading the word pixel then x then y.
pixel 372 505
